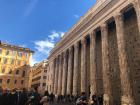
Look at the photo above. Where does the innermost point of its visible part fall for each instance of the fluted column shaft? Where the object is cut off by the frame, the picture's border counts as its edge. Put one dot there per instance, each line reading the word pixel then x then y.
pixel 53 75
pixel 70 73
pixel 83 66
pixel 136 4
pixel 93 72
pixel 105 62
pixel 124 67
pixel 64 76
pixel 76 70
pixel 60 76
pixel 56 75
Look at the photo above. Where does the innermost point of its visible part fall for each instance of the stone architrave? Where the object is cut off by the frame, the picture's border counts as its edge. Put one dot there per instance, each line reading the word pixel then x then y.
pixel 64 76
pixel 60 76
pixel 105 61
pixel 76 70
pixel 83 67
pixel 56 76
pixel 70 73
pixel 127 97
pixel 93 72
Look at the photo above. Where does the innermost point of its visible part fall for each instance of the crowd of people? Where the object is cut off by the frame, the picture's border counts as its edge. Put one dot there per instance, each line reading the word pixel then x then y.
pixel 24 97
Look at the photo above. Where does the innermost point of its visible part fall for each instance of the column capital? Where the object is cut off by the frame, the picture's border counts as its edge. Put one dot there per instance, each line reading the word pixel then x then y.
pixel 76 45
pixel 104 26
pixel 92 34
pixel 65 53
pixel 70 50
pixel 83 41
pixel 118 16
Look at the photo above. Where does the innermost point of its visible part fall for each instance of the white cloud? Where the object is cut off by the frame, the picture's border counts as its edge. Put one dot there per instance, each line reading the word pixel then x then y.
pixel 33 61
pixel 62 34
pixel 55 34
pixel 44 47
pixel 22 45
pixel 32 4
pixel 76 16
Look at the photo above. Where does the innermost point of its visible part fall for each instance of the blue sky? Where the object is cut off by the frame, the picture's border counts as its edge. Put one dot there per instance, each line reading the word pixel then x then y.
pixel 39 24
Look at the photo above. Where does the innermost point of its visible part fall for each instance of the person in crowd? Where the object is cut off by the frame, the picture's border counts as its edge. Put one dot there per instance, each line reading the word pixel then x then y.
pixel 94 100
pixel 100 99
pixel 45 99
pixel 1 93
pixel 23 97
pixel 52 98
pixel 13 97
pixel 34 98
pixel 82 100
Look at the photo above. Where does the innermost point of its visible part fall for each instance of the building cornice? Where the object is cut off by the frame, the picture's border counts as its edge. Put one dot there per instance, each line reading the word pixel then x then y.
pixel 80 25
pixel 2 44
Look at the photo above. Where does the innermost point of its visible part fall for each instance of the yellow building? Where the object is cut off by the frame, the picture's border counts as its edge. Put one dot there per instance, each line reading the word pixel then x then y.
pixel 39 76
pixel 14 66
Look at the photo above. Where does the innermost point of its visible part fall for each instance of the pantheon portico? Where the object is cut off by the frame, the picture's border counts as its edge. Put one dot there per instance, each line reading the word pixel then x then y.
pixel 100 54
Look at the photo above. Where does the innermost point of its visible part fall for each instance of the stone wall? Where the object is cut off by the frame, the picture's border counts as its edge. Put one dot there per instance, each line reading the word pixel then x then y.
pixel 132 40
pixel 114 63
pixel 99 63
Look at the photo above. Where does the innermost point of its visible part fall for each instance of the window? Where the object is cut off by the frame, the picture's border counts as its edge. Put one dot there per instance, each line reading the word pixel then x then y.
pixel 7 52
pixel 8 81
pixel 23 75
pixel 0 50
pixel 10 71
pixel 44 84
pixel 12 61
pixel 15 81
pixel 3 70
pixel 22 81
pixel 45 71
pixel 17 72
pixel 27 55
pixel 44 77
pixel 20 54
pixel 0 80
pixel 0 60
pixel 5 60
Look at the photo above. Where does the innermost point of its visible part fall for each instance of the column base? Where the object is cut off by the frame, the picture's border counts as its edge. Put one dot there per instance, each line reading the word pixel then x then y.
pixel 125 100
pixel 108 99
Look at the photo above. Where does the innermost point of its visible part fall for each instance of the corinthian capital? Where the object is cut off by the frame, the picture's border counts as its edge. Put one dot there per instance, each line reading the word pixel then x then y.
pixel 118 16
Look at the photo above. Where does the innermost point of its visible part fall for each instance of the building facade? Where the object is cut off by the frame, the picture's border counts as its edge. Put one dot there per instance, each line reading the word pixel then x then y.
pixel 39 76
pixel 14 66
pixel 100 54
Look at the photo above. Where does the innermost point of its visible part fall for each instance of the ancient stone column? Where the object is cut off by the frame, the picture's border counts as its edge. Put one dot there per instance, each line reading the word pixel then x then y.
pixel 53 75
pixel 83 67
pixel 70 73
pixel 56 76
pixel 93 73
pixel 127 97
pixel 105 61
pixel 136 4
pixel 64 76
pixel 76 70
pixel 60 76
